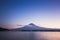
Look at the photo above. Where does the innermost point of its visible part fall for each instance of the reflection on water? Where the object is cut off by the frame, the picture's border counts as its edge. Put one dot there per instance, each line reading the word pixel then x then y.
pixel 48 35
pixel 29 35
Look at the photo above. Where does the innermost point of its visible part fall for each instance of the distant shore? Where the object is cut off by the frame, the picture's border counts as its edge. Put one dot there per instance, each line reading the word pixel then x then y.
pixel 35 30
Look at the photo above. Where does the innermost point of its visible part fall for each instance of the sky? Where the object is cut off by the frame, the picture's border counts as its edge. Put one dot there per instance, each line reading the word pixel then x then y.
pixel 44 13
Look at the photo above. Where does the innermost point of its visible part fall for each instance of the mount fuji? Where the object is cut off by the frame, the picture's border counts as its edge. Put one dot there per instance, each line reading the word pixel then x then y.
pixel 30 27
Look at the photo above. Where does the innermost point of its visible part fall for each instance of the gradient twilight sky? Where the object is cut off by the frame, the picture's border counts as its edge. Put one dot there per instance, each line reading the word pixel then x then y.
pixel 45 13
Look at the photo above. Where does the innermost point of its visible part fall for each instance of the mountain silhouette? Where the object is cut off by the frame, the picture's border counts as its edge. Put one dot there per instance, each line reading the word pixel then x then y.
pixel 32 27
pixel 3 29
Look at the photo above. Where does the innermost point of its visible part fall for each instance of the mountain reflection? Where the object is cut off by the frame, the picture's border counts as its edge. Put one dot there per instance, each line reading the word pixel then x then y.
pixel 29 35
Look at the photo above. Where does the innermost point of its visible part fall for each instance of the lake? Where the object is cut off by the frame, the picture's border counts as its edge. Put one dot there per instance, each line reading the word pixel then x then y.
pixel 11 35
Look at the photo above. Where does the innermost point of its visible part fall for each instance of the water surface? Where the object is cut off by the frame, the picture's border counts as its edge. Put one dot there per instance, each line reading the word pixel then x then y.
pixel 29 35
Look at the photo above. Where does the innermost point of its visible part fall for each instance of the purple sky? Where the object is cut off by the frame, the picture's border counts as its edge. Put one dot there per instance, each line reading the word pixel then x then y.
pixel 45 13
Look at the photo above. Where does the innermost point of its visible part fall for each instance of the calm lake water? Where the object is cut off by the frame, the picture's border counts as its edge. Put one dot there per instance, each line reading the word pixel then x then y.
pixel 29 35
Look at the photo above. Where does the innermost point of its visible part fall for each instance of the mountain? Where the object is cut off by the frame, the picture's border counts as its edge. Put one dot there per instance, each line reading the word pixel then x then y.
pixel 32 26
pixel 3 29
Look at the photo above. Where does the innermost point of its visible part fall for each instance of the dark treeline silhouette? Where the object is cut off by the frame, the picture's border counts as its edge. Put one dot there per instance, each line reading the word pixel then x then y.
pixel 3 29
